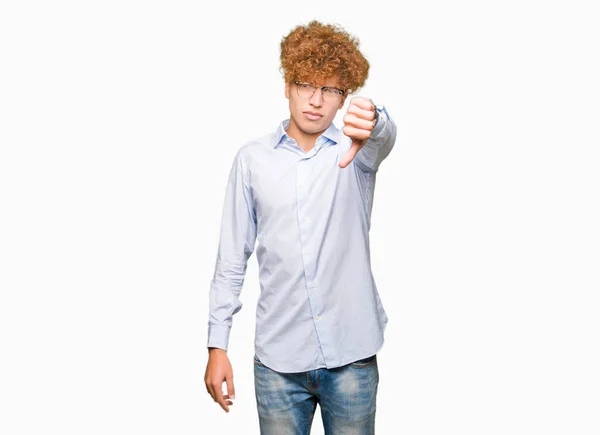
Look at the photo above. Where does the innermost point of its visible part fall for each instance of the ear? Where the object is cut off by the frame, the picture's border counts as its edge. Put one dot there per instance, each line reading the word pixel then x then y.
pixel 287 91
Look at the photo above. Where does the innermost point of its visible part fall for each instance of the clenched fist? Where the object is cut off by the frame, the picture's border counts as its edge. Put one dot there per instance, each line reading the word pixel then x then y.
pixel 358 124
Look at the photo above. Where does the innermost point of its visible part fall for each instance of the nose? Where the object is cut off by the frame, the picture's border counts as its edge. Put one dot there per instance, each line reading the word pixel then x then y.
pixel 317 98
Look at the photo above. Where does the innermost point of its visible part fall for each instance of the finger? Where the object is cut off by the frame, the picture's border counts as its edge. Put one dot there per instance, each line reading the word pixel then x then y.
pixel 230 386
pixel 223 402
pixel 361 113
pixel 356 133
pixel 228 400
pixel 363 103
pixel 218 395
pixel 210 390
pixel 349 156
pixel 354 121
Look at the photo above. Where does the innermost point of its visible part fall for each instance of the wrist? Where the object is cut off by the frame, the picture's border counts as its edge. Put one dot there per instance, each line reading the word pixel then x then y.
pixel 376 118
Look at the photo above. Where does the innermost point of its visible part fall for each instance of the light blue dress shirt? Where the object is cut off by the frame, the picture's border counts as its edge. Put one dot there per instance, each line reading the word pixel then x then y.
pixel 318 304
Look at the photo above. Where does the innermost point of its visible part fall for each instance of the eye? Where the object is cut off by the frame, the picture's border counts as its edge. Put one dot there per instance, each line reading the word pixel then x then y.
pixel 332 91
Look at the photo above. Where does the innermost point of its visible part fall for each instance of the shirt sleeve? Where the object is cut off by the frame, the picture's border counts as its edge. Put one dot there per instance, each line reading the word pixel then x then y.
pixel 236 244
pixel 379 145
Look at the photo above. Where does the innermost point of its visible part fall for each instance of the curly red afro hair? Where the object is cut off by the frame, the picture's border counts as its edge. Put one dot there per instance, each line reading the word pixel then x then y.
pixel 316 52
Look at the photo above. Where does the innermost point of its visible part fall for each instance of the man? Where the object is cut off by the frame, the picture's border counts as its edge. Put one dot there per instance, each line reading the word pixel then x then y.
pixel 306 193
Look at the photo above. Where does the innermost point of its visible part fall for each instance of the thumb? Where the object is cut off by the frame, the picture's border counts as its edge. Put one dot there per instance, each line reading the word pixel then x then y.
pixel 230 386
pixel 349 156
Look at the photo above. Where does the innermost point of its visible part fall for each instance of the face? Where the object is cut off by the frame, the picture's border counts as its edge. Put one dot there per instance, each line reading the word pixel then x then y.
pixel 311 115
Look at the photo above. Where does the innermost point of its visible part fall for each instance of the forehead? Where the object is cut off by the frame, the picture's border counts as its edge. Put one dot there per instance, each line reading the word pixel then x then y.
pixel 330 81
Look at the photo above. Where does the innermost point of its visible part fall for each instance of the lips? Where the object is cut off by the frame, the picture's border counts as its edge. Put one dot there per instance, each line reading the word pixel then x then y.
pixel 313 116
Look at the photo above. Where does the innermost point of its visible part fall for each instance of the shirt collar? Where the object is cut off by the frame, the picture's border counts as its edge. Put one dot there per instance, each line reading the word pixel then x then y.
pixel 332 133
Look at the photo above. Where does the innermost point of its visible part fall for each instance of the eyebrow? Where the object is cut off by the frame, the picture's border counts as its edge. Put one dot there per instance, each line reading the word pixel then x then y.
pixel 324 86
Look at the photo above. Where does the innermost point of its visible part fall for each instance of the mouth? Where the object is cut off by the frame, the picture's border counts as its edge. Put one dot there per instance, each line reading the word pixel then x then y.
pixel 313 116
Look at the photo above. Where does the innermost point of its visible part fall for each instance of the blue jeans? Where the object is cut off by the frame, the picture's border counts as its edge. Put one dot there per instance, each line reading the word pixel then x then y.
pixel 346 395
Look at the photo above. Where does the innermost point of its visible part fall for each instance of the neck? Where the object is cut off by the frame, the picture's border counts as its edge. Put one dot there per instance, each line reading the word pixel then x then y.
pixel 305 140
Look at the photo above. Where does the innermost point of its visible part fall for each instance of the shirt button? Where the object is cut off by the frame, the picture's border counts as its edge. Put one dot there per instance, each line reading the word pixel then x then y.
pixel 318 317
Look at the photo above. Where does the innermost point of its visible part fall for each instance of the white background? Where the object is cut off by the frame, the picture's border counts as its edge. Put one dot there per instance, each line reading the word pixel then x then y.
pixel 119 121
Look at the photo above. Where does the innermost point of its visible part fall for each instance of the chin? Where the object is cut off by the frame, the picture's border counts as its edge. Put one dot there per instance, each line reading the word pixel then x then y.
pixel 315 127
pixel 313 130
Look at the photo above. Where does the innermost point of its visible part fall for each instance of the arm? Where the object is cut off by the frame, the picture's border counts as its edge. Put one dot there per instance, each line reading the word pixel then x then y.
pixel 236 244
pixel 379 145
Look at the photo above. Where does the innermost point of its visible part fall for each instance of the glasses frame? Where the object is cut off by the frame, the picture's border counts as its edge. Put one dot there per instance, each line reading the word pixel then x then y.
pixel 322 88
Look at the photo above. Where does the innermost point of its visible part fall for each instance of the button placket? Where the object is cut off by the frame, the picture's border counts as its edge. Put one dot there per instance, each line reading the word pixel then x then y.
pixel 300 173
pixel 308 255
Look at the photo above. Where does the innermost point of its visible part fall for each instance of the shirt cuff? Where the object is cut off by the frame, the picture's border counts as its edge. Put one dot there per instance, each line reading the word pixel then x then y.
pixel 218 336
pixel 380 122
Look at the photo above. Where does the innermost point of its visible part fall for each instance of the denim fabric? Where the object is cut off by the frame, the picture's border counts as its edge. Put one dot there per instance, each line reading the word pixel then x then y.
pixel 346 395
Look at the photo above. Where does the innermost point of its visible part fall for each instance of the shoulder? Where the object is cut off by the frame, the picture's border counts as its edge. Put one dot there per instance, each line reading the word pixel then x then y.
pixel 250 151
pixel 258 142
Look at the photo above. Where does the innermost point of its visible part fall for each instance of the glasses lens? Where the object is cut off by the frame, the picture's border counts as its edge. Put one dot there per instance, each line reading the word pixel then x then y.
pixel 330 95
pixel 305 90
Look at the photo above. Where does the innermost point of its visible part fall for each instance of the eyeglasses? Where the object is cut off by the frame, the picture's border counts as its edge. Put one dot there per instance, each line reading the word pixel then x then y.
pixel 330 94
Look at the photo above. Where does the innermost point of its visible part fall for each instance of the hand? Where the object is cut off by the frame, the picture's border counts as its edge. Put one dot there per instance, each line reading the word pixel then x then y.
pixel 358 125
pixel 218 369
